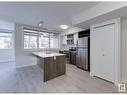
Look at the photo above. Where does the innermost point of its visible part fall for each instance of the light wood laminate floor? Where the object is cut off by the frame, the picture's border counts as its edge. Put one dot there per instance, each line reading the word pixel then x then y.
pixel 29 79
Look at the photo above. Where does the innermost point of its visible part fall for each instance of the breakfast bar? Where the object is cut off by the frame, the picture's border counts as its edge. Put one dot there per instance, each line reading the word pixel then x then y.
pixel 52 64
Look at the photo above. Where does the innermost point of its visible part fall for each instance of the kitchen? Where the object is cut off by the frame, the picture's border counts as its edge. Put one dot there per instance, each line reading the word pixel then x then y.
pixel 78 52
pixel 53 50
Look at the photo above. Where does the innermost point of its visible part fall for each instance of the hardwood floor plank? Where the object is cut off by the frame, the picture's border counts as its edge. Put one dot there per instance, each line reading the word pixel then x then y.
pixel 29 80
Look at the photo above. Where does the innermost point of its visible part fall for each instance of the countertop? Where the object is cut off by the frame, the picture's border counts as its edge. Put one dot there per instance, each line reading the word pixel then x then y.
pixel 45 55
pixel 64 50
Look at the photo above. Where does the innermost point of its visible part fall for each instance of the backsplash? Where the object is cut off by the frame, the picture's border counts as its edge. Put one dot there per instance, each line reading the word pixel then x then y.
pixel 66 47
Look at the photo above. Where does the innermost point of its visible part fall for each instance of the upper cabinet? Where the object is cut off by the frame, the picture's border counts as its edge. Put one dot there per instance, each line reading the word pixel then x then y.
pixel 71 31
pixel 69 39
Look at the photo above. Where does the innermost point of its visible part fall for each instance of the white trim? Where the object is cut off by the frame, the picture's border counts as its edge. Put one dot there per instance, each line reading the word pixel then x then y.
pixel 91 74
pixel 4 61
pixel 124 81
pixel 117 54
pixel 21 66
pixel 118 66
pixel 37 49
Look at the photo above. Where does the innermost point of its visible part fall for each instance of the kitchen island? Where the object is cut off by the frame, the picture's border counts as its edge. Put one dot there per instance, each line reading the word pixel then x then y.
pixel 52 64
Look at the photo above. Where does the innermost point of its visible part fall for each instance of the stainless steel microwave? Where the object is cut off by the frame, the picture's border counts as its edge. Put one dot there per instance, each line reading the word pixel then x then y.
pixel 70 39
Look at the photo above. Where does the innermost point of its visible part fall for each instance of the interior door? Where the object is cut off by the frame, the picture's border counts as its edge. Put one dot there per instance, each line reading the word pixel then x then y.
pixel 103 53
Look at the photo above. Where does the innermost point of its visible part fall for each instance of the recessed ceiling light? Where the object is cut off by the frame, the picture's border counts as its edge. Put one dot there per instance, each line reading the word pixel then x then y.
pixel 64 26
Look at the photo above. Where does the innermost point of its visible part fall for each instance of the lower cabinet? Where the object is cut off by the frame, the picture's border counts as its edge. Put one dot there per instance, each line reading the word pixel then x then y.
pixel 73 58
pixel 53 67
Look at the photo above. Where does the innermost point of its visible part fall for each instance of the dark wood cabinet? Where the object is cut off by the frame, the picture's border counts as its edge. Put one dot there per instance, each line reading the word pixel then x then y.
pixel 73 57
pixel 52 66
pixel 67 55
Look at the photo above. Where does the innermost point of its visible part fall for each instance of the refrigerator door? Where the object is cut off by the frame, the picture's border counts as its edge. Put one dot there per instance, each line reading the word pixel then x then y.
pixel 82 58
pixel 83 42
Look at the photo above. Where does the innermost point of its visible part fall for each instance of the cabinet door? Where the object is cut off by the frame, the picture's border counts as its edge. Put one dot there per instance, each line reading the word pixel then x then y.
pixel 48 68
pixel 63 65
pixel 60 65
pixel 102 41
pixel 73 58
pixel 53 67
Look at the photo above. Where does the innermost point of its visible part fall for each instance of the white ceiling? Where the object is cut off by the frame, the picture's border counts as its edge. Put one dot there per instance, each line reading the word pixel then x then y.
pixel 52 13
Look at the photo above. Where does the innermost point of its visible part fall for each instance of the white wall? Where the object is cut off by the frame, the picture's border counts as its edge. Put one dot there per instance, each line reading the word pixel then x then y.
pixel 124 50
pixel 7 55
pixel 98 10
pixel 23 57
pixel 71 31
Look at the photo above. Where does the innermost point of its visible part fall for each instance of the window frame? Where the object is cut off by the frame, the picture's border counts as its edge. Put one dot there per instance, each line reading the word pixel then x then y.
pixel 12 40
pixel 58 40
pixel 29 35
pixel 38 31
pixel 48 40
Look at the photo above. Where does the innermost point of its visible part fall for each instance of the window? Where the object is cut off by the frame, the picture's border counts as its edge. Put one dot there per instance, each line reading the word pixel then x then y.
pixel 5 40
pixel 30 39
pixel 34 39
pixel 54 41
pixel 43 40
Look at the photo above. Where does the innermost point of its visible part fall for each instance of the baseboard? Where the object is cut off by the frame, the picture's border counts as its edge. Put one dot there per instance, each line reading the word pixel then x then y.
pixel 21 66
pixel 122 81
pixel 91 74
pixel 6 61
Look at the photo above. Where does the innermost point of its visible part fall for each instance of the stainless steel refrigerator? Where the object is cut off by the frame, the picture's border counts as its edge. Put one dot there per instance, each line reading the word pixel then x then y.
pixel 82 57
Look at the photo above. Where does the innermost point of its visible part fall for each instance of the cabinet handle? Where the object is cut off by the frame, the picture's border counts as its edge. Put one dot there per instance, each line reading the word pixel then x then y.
pixel 103 54
pixel 54 57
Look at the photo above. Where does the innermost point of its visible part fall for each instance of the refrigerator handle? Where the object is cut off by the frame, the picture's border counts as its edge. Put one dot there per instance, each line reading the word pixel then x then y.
pixel 86 62
pixel 76 51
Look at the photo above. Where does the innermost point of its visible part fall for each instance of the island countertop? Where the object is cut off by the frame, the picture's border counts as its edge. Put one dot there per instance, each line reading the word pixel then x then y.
pixel 52 64
pixel 45 55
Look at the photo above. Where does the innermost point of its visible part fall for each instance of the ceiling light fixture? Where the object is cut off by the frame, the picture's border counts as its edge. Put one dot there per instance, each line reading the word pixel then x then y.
pixel 41 24
pixel 64 26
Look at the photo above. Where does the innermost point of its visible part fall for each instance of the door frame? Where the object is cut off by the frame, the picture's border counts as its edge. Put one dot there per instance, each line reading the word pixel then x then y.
pixel 117 49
